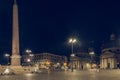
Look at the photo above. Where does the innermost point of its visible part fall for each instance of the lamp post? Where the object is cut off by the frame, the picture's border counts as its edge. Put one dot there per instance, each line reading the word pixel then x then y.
pixel 48 66
pixel 28 60
pixel 92 53
pixel 72 41
pixel 65 66
pixel 29 55
pixel 7 56
pixel 72 58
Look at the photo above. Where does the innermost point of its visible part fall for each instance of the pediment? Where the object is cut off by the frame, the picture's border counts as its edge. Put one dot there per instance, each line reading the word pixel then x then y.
pixel 107 54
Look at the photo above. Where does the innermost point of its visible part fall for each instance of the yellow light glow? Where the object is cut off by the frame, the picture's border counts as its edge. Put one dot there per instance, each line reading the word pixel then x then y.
pixel 74 40
pixel 65 64
pixel 48 63
pixel 70 40
pixel 88 65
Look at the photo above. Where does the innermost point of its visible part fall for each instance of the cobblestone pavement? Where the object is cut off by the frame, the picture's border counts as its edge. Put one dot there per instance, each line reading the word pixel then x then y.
pixel 68 75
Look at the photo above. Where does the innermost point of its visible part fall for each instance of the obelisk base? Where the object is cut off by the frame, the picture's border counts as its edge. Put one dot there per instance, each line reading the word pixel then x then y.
pixel 15 64
pixel 17 69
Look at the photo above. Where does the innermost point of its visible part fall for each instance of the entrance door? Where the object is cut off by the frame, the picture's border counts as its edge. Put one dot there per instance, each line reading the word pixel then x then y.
pixel 108 65
pixel 118 65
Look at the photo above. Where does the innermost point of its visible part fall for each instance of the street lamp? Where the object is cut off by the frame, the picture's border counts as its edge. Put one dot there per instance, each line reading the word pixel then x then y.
pixel 28 51
pixel 72 55
pixel 29 56
pixel 72 41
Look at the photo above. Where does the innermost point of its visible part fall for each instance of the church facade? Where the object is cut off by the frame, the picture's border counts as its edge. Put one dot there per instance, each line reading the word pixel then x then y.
pixel 83 61
pixel 110 57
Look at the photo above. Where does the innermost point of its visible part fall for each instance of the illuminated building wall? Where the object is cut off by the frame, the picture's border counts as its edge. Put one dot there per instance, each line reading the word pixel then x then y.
pixel 43 58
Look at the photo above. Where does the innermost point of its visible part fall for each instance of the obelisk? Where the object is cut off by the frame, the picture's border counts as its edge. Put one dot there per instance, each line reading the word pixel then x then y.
pixel 15 58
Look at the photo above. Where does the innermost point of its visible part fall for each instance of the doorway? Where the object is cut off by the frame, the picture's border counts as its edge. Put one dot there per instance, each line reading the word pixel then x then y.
pixel 108 65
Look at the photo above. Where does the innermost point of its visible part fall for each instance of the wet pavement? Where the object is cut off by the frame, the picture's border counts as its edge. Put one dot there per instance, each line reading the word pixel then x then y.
pixel 68 75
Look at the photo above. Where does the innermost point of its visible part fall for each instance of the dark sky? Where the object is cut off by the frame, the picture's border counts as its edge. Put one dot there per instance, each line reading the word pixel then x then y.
pixel 46 25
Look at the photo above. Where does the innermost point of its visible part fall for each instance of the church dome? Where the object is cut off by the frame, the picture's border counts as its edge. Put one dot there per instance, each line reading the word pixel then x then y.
pixel 113 43
pixel 110 44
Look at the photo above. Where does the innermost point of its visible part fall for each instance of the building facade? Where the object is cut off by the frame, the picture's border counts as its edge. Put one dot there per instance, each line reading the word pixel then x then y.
pixel 110 57
pixel 82 61
pixel 44 60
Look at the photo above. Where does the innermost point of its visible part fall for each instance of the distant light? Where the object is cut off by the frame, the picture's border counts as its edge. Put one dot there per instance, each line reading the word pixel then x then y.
pixel 72 55
pixel 70 40
pixel 7 55
pixel 31 55
pixel 65 63
pixel 91 53
pixel 74 40
pixel 28 60
pixel 88 65
pixel 58 63
pixel 28 51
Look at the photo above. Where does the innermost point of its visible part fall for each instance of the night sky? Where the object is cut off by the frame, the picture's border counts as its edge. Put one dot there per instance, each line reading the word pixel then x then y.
pixel 46 25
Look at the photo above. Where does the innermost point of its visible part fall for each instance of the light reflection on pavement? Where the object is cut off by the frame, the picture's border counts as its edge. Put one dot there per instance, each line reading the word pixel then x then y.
pixel 76 75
